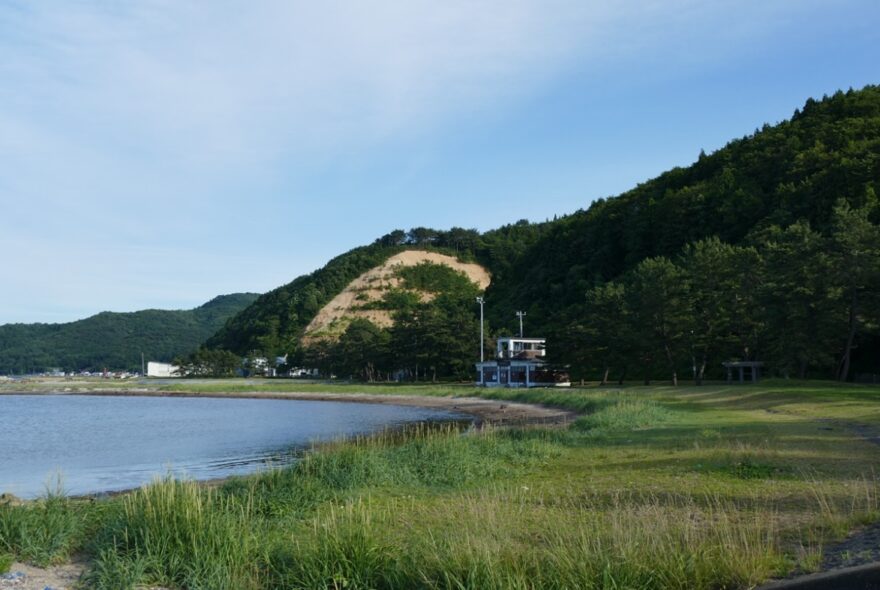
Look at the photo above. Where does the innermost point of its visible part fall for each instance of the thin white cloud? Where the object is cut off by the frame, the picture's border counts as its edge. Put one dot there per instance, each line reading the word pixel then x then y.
pixel 157 120
pixel 229 80
pixel 209 83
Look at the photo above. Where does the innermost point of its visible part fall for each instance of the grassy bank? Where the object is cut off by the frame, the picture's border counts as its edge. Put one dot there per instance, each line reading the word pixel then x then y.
pixel 654 487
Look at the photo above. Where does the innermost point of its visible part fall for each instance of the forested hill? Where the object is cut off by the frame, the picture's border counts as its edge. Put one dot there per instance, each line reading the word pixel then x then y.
pixel 796 170
pixel 767 249
pixel 789 211
pixel 275 323
pixel 114 340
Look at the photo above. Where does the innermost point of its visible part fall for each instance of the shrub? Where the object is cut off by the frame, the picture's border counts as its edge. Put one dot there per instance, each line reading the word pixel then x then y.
pixel 44 531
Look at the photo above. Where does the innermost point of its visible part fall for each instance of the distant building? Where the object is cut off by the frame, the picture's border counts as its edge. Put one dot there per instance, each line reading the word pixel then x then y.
pixel 257 366
pixel 155 369
pixel 303 373
pixel 519 362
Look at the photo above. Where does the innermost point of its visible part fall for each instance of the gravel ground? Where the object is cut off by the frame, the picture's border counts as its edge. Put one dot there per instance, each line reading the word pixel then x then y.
pixel 26 577
pixel 59 577
pixel 862 545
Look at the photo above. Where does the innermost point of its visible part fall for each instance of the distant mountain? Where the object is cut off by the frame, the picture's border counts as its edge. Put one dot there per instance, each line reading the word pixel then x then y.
pixel 114 340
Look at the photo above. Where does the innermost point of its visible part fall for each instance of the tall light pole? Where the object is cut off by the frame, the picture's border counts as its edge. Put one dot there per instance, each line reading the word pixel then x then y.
pixel 520 315
pixel 481 301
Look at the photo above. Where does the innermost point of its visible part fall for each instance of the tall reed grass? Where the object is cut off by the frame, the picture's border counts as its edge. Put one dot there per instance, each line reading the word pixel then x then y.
pixel 624 413
pixel 183 535
pixel 497 542
pixel 433 457
pixel 44 531
pixel 178 534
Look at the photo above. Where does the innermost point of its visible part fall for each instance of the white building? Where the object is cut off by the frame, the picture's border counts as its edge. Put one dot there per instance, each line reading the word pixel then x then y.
pixel 155 369
pixel 519 362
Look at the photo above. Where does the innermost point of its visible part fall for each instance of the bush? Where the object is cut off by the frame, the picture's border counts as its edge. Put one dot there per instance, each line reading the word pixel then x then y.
pixel 45 531
pixel 5 562
pixel 624 414
pixel 176 533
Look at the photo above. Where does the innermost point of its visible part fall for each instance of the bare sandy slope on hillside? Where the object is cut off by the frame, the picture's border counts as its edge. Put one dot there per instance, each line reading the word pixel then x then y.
pixel 372 284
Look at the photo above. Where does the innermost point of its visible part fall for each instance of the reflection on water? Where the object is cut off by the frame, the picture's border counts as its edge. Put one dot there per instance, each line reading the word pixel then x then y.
pixel 113 443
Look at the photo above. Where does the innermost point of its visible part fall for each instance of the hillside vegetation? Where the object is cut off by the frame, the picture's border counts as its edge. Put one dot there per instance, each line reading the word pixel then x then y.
pixel 114 340
pixel 414 275
pixel 766 249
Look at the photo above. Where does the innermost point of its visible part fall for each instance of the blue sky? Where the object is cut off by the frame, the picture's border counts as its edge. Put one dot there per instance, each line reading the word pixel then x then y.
pixel 155 154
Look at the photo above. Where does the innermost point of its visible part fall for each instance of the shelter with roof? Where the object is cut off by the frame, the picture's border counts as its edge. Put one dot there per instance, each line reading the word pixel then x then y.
pixel 519 362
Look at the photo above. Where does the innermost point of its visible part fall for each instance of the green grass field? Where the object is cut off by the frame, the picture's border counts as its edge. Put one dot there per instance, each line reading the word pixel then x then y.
pixel 653 487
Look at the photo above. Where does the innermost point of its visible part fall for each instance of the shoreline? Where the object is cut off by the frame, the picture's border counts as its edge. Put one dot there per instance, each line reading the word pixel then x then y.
pixel 484 411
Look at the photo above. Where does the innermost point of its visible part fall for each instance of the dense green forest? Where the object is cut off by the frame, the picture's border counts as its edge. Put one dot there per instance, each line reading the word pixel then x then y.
pixel 114 340
pixel 765 249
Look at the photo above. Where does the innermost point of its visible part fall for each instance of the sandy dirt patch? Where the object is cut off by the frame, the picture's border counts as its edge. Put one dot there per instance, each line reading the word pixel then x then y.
pixel 26 577
pixel 371 285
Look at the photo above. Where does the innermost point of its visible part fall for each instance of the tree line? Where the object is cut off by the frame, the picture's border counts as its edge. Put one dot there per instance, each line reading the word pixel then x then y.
pixel 114 340
pixel 797 299
pixel 781 174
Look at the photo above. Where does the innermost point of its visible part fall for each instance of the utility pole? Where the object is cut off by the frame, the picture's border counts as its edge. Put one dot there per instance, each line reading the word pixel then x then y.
pixel 520 315
pixel 481 301
pixel 143 367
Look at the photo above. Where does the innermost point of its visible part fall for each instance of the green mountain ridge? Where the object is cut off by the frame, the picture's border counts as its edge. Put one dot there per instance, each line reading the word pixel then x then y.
pixel 114 340
pixel 798 169
pixel 277 320
pixel 789 175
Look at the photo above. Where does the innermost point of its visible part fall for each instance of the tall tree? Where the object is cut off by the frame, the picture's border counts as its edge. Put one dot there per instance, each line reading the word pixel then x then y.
pixel 363 350
pixel 722 280
pixel 855 266
pixel 657 296
pixel 605 335
pixel 436 337
pixel 797 296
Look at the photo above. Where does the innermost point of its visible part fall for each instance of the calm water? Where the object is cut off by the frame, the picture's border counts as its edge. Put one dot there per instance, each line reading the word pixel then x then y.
pixel 113 443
